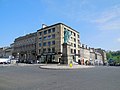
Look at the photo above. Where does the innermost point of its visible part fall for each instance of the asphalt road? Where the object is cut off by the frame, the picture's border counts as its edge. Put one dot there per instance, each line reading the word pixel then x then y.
pixel 34 78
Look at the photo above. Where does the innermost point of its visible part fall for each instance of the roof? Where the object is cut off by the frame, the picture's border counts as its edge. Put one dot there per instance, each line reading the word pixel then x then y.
pixel 27 35
pixel 57 24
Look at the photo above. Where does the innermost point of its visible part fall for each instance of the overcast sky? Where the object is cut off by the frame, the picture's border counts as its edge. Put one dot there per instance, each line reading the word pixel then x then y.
pixel 98 21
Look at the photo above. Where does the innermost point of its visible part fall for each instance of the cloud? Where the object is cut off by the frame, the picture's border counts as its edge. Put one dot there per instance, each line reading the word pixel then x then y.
pixel 112 25
pixel 108 19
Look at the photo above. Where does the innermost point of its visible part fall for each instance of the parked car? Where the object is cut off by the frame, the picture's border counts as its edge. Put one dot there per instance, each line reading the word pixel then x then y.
pixel 4 61
pixel 111 62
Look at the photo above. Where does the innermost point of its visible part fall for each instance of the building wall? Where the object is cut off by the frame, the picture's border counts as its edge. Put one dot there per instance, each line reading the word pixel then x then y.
pixel 59 40
pixel 103 53
pixel 1 52
pixel 86 54
pixel 92 57
pixel 24 48
pixel 5 52
pixel 47 43
pixel 98 59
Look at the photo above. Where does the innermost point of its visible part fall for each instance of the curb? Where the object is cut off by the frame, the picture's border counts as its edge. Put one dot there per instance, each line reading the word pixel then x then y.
pixel 68 68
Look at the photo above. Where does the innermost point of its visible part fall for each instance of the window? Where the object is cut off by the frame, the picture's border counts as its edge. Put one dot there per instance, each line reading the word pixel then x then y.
pixel 53 49
pixel 40 33
pixel 71 44
pixel 49 49
pixel 40 44
pixel 78 51
pixel 45 38
pixel 49 43
pixel 44 50
pixel 49 30
pixel 71 50
pixel 39 51
pixel 49 37
pixel 64 28
pixel 74 45
pixel 53 42
pixel 44 44
pixel 74 40
pixel 53 36
pixel 40 38
pixel 78 36
pixel 45 32
pixel 53 29
pixel 78 41
pixel 74 34
pixel 74 50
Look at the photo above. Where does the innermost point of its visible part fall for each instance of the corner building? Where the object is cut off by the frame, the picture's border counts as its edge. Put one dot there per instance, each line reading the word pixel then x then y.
pixel 49 43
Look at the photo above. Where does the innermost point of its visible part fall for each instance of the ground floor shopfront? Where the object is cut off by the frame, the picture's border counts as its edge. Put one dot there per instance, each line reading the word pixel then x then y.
pixel 26 57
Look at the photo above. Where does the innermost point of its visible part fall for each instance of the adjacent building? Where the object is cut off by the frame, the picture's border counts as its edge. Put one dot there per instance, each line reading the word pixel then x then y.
pixel 91 55
pixel 5 52
pixel 103 54
pixel 24 48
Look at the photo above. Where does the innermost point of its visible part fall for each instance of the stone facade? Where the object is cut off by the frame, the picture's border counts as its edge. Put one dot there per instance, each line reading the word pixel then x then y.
pixel 46 45
pixel 103 53
pixel 5 52
pixel 50 40
pixel 24 48
pixel 91 55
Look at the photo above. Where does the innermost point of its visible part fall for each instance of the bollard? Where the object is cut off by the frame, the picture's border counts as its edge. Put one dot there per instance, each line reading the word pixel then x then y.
pixel 70 65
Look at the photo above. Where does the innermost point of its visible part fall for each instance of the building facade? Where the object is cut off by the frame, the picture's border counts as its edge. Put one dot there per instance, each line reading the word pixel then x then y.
pixel 24 48
pixel 50 40
pixel 46 46
pixel 103 53
pixel 91 55
pixel 5 52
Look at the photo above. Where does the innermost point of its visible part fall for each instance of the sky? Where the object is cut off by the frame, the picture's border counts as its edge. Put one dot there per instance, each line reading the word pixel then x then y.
pixel 98 21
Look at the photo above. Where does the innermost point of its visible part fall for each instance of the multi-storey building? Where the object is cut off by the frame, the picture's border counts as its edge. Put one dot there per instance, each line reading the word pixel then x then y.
pixel 103 53
pixel 1 52
pixel 92 56
pixel 50 40
pixel 24 48
pixel 5 52
pixel 46 45
pixel 85 54
pixel 98 59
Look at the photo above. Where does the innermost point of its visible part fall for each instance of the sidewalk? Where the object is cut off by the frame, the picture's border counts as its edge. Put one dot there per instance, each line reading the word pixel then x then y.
pixel 20 64
pixel 63 67
pixel 50 66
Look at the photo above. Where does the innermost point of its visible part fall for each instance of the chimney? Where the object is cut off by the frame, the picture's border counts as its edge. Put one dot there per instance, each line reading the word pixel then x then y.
pixel 89 48
pixel 82 45
pixel 86 46
pixel 44 25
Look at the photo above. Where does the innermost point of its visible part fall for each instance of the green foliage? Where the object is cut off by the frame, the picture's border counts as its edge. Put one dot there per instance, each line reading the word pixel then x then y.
pixel 115 55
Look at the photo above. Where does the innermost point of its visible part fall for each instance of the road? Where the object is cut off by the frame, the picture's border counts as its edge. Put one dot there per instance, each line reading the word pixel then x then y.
pixel 34 78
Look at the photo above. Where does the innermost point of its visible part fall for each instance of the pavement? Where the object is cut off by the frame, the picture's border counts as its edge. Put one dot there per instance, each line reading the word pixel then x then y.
pixel 50 66
pixel 19 64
